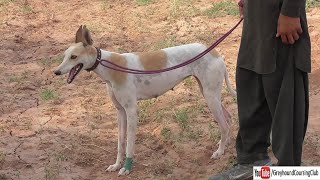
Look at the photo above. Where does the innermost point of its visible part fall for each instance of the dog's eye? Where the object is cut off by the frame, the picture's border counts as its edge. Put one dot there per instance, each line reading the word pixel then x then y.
pixel 73 56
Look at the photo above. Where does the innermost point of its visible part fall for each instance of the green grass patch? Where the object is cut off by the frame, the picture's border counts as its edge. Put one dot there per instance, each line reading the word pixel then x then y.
pixel 48 95
pixel 166 133
pixel 313 3
pixel 5 2
pixel 26 8
pixel 143 2
pixel 223 8
pixel 182 118
pixel 20 78
pixel 144 106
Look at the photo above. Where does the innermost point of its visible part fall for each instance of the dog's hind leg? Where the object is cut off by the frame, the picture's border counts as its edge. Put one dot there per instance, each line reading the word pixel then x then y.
pixel 227 115
pixel 215 107
pixel 122 127
pixel 211 90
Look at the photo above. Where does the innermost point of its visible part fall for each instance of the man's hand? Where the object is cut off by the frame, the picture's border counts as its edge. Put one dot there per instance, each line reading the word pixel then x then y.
pixel 289 29
pixel 241 4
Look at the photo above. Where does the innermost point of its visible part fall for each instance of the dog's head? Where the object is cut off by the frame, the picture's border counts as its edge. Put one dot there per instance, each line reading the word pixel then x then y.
pixel 80 55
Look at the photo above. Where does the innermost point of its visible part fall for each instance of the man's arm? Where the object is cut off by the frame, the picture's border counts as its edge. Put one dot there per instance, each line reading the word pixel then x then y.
pixel 289 26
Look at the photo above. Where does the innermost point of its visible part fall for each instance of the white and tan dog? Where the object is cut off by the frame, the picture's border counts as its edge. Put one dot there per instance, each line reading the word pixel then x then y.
pixel 126 89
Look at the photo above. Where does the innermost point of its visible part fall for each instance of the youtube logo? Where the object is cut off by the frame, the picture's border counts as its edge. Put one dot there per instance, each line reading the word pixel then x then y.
pixel 265 173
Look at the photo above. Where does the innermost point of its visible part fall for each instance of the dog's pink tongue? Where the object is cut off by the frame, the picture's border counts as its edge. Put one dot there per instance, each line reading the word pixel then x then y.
pixel 71 75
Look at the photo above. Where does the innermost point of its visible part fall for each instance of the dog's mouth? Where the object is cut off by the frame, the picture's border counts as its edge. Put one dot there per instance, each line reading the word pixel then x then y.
pixel 74 72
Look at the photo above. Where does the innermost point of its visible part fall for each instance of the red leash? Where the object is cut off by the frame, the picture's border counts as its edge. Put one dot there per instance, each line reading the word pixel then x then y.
pixel 113 66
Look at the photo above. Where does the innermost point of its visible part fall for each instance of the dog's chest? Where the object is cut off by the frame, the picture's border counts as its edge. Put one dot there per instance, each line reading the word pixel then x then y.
pixel 151 86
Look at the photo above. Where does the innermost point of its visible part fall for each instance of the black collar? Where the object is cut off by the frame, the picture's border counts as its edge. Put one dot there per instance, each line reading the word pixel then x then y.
pixel 98 60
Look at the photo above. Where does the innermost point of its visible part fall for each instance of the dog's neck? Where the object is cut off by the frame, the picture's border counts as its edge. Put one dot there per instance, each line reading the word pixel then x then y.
pixel 105 54
pixel 101 70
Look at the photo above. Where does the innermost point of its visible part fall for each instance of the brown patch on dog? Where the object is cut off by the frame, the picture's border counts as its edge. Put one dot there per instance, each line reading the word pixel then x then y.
pixel 215 53
pixel 116 76
pixel 153 60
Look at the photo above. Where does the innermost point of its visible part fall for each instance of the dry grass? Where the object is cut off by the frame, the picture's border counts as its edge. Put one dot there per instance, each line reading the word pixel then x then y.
pixel 48 94
pixel 223 8
pixel 72 131
pixel 143 2
pixel 313 3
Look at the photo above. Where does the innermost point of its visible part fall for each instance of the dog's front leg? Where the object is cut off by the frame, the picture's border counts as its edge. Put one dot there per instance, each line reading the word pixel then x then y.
pixel 132 121
pixel 122 128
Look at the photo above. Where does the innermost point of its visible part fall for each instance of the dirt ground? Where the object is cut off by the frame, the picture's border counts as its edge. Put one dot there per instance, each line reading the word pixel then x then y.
pixel 52 130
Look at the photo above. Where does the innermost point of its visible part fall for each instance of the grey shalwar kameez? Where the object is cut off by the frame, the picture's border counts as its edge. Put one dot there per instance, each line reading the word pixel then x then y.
pixel 272 84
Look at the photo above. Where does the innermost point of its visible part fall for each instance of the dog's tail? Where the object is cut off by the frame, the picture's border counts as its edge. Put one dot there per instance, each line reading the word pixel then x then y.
pixel 226 76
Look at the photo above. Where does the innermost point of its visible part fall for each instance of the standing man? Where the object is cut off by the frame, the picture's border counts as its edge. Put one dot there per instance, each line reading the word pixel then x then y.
pixel 272 85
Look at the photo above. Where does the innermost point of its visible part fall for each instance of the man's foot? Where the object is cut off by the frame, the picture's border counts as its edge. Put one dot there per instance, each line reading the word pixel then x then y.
pixel 240 171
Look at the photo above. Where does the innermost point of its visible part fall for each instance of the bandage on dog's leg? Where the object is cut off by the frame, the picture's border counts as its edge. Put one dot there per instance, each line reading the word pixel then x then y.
pixel 128 164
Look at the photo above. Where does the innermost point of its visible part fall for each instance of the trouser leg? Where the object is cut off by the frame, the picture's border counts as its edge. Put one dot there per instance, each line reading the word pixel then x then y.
pixel 279 98
pixel 254 117
pixel 286 92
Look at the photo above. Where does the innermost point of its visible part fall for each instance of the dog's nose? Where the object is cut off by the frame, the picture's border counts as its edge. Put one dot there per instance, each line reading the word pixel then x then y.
pixel 57 72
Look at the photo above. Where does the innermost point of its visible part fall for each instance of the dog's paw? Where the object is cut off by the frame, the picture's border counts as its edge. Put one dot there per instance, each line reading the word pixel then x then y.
pixel 123 171
pixel 113 167
pixel 217 154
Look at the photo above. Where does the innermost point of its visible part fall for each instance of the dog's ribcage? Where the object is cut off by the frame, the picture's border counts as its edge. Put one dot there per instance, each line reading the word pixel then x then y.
pixel 149 86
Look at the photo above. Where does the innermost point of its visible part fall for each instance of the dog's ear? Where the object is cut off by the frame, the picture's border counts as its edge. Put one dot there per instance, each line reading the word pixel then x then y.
pixel 79 35
pixel 87 40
